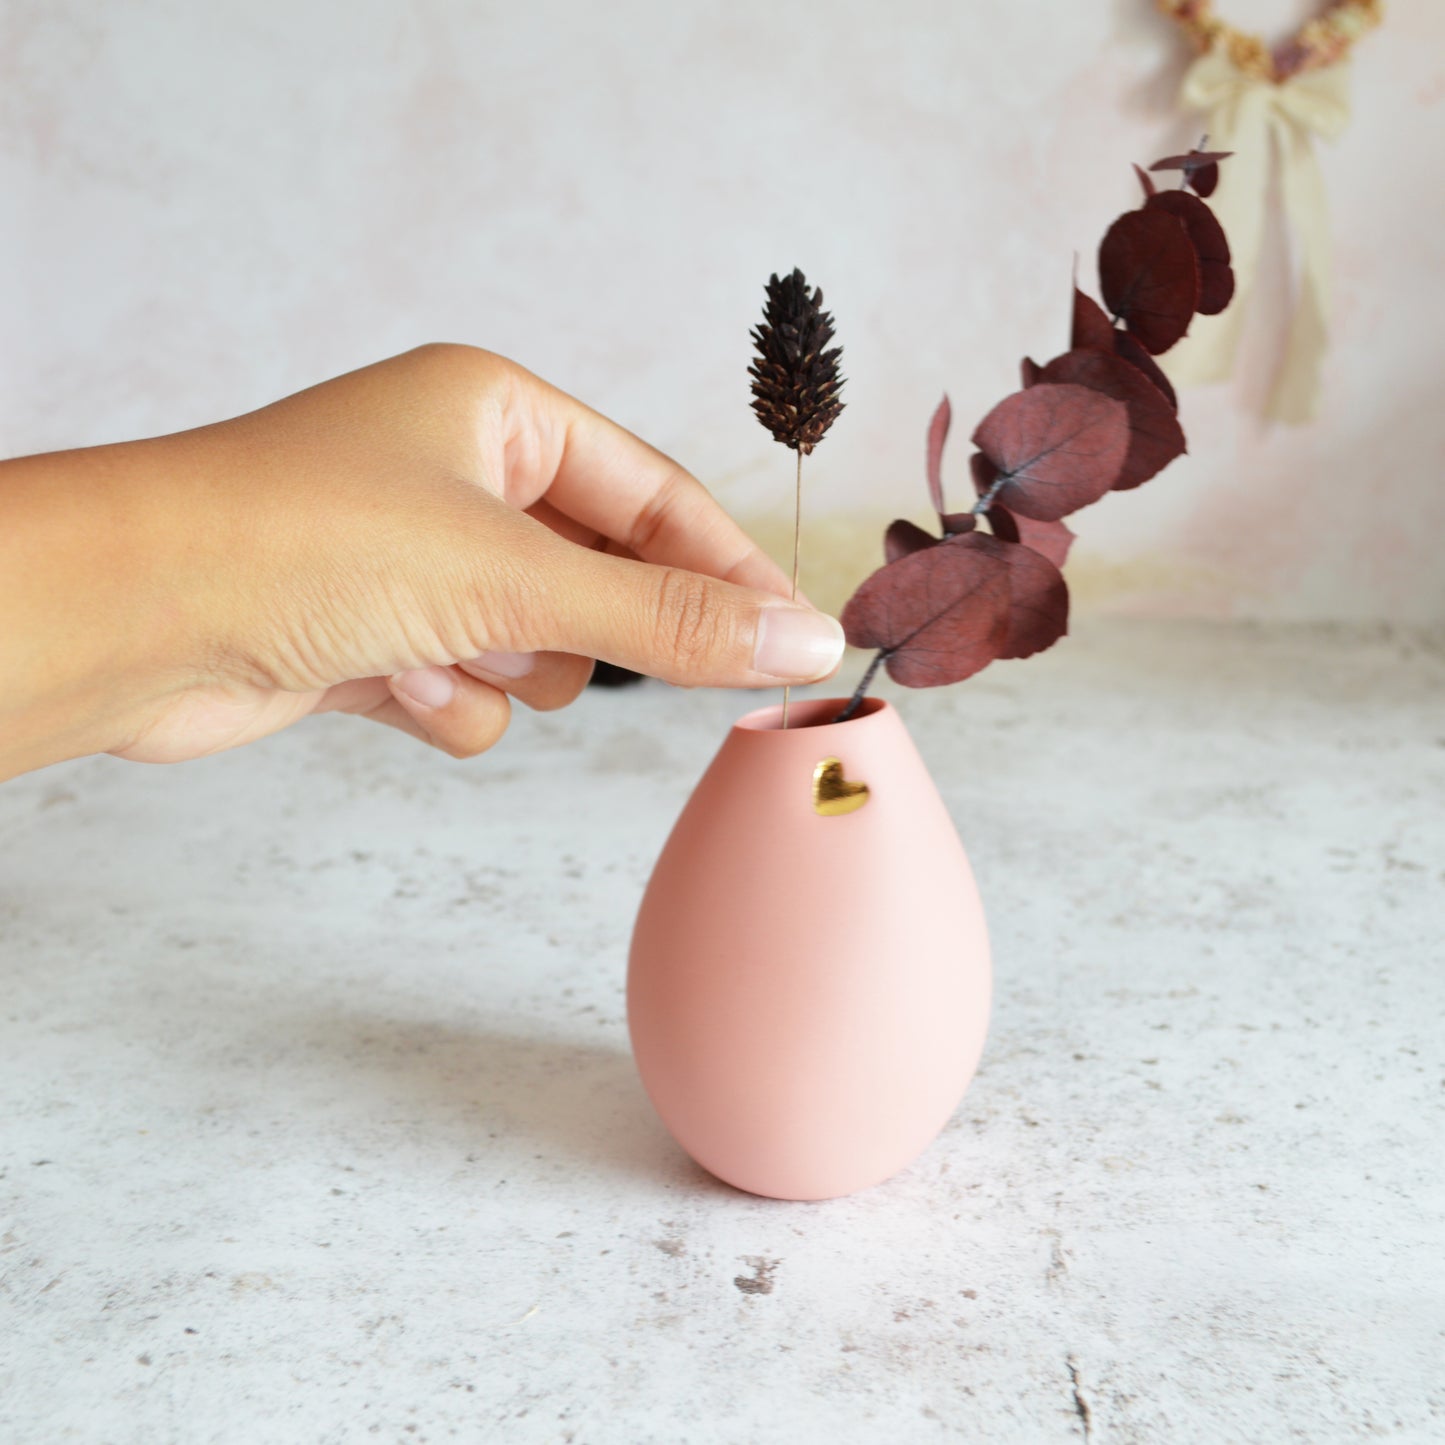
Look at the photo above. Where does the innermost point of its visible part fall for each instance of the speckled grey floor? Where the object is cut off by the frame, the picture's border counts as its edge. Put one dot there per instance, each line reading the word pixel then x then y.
pixel 320 1124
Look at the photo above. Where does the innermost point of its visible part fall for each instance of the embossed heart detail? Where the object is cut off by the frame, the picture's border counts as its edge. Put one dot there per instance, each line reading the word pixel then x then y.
pixel 833 794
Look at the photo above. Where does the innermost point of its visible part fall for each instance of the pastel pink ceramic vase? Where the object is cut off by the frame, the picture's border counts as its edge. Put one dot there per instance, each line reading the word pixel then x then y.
pixel 809 982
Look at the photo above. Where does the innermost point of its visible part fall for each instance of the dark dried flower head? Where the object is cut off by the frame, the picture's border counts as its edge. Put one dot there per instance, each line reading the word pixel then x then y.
pixel 795 374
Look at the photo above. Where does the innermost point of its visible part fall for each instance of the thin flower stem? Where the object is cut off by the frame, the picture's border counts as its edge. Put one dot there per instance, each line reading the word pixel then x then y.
pixel 797 538
pixel 1184 172
pixel 856 701
pixel 987 500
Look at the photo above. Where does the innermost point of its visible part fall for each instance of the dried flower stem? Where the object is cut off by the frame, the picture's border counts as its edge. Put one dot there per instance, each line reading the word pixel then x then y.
pixel 856 701
pixel 1184 174
pixel 986 501
pixel 797 540
pixel 795 383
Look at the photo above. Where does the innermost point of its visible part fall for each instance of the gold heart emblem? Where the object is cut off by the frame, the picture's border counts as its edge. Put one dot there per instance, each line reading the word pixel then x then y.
pixel 833 794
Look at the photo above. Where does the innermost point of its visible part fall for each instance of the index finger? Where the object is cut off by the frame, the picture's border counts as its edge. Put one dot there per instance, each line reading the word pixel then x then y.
pixel 616 484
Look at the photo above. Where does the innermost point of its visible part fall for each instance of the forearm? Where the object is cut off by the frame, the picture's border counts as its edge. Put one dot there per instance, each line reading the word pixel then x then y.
pixel 393 543
pixel 84 618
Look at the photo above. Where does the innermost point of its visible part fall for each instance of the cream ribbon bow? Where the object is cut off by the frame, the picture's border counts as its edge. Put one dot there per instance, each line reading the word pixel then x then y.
pixel 1246 116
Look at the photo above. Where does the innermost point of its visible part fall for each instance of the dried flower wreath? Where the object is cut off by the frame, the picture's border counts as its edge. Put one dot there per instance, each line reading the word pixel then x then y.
pixel 1325 40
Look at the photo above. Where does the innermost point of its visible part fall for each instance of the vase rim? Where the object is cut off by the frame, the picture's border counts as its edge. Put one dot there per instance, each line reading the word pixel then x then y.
pixel 802 713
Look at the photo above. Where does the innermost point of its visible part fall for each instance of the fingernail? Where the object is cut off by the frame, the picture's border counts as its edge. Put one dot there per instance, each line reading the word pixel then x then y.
pixel 426 686
pixel 502 664
pixel 796 643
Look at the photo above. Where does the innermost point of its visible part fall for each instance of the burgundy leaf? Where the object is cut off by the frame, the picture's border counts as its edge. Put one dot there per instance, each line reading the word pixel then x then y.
pixel 1205 179
pixel 1150 277
pixel 940 615
pixel 1155 438
pixel 937 435
pixel 1201 168
pixel 983 472
pixel 1127 349
pixel 1190 162
pixel 955 524
pixel 1028 371
pixel 1056 447
pixel 1149 187
pixel 903 537
pixel 1206 235
pixel 1006 525
pixel 1091 327
pixel 1048 539
pixel 1038 613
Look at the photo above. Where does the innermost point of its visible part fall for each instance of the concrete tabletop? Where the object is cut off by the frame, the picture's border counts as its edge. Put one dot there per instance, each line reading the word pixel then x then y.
pixel 320 1124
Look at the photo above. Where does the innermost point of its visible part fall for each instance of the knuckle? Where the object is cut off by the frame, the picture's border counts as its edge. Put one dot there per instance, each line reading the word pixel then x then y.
pixel 450 353
pixel 691 627
pixel 655 513
pixel 490 597
pixel 452 368
pixel 512 600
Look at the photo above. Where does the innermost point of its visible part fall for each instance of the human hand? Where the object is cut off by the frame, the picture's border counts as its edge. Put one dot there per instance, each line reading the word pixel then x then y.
pixel 413 542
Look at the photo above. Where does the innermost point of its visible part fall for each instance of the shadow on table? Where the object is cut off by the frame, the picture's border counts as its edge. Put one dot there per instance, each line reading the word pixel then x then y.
pixel 491 1087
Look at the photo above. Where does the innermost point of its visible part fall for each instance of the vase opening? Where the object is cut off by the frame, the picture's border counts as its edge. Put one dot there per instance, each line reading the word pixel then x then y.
pixel 810 713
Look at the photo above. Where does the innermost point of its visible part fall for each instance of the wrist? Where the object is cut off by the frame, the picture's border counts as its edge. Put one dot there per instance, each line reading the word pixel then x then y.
pixel 92 621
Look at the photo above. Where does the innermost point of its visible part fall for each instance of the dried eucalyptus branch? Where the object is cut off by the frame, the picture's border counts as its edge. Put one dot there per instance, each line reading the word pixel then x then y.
pixel 1100 417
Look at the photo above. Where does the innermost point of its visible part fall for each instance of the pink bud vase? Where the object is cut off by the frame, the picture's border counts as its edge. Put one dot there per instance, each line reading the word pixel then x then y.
pixel 809 983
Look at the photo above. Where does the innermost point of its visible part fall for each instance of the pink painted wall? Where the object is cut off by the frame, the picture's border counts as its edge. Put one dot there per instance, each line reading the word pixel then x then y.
pixel 205 206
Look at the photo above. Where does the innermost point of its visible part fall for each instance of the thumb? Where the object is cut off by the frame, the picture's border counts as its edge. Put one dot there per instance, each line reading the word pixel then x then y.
pixel 681 626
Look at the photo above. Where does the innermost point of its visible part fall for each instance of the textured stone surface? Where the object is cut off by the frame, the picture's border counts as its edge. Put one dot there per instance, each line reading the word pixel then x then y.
pixel 320 1124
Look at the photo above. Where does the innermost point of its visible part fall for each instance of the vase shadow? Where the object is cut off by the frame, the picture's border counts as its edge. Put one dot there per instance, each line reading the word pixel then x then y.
pixel 503 1089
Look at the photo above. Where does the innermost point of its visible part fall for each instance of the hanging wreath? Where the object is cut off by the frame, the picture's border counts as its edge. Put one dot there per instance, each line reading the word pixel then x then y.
pixel 1268 107
pixel 1325 40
